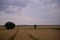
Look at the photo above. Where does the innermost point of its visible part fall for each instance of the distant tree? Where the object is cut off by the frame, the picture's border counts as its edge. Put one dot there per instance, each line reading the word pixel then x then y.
pixel 9 25
pixel 35 26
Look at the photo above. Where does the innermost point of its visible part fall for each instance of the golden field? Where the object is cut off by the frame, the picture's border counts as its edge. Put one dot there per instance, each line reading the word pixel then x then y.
pixel 29 33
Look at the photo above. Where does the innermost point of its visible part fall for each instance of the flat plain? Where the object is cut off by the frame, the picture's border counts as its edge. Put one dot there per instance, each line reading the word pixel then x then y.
pixel 29 33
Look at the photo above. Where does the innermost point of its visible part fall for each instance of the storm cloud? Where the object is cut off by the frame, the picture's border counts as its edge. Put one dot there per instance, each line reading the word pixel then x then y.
pixel 42 12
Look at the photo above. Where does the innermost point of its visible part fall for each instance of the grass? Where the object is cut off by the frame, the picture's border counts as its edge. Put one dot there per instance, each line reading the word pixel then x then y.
pixel 55 28
pixel 44 28
pixel 3 28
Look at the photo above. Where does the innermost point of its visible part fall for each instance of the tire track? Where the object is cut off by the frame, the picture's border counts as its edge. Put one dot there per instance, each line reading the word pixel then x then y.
pixel 31 35
pixel 12 38
pixel 22 35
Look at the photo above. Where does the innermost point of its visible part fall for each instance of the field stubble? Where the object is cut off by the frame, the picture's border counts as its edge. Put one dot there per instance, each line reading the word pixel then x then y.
pixel 30 34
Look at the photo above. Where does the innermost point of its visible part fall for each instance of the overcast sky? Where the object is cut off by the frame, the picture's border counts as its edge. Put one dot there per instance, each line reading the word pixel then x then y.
pixel 42 12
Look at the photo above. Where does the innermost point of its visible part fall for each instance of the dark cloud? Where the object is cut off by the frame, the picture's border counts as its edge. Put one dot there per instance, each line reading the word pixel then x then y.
pixel 13 2
pixel 2 8
pixel 58 2
pixel 43 12
pixel 5 3
pixel 1 2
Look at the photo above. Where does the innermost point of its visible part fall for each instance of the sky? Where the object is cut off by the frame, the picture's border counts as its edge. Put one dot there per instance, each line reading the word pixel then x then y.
pixel 30 12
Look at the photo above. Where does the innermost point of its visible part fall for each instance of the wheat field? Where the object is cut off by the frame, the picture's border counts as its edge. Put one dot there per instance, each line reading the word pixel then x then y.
pixel 26 33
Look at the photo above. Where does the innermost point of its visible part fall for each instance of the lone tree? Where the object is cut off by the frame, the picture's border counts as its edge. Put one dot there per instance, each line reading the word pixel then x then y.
pixel 9 25
pixel 35 26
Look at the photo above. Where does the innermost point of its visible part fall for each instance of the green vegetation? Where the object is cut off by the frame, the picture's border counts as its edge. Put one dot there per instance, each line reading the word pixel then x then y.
pixel 44 28
pixel 9 25
pixel 35 26
pixel 55 28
